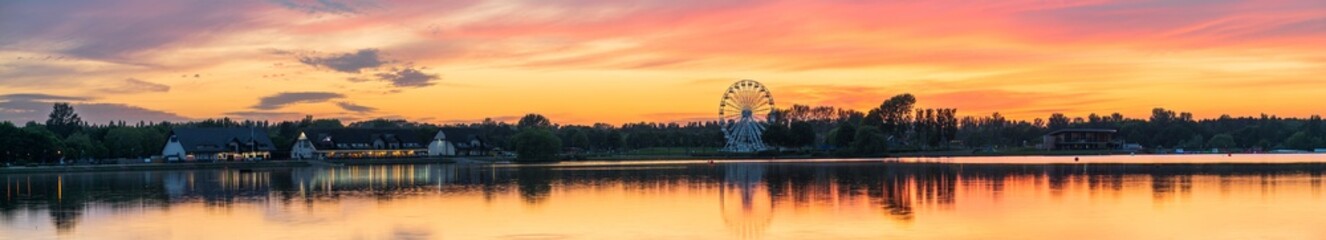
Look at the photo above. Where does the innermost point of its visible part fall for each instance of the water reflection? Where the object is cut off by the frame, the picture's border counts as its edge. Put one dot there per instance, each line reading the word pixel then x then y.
pixel 746 210
pixel 749 197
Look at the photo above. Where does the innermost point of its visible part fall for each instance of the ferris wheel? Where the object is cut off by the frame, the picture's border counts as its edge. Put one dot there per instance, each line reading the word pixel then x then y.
pixel 746 107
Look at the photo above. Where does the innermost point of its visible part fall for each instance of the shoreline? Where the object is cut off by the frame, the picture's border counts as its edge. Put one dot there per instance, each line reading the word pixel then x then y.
pixel 214 165
pixel 919 154
pixel 619 158
pixel 153 167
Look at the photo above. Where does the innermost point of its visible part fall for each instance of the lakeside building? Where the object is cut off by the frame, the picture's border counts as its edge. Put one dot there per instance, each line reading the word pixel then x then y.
pixel 217 144
pixel 367 143
pixel 462 142
pixel 1082 139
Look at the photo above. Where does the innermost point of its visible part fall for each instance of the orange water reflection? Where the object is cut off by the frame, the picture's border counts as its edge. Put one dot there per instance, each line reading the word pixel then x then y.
pixel 745 200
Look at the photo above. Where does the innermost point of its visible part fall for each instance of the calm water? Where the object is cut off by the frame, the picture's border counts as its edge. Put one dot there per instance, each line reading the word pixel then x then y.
pixel 863 199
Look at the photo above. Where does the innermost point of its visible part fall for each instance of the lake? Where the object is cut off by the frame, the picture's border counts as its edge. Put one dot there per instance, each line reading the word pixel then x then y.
pixel 1098 197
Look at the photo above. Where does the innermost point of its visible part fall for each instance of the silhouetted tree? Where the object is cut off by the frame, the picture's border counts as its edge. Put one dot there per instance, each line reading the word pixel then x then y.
pixel 81 146
pixel 893 116
pixel 1300 141
pixel 1058 121
pixel 801 134
pixel 869 141
pixel 1221 141
pixel 63 121
pixel 777 135
pixel 533 121
pixel 843 135
pixel 536 145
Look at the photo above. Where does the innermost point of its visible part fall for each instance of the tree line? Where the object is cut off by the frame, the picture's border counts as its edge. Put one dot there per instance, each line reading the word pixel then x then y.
pixel 896 125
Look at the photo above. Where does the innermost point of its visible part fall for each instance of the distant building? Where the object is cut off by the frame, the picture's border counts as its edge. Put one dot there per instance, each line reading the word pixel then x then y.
pixel 352 143
pixel 217 144
pixel 1082 139
pixel 460 142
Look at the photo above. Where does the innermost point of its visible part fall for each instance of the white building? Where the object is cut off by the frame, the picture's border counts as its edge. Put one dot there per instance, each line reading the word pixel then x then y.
pixel 213 144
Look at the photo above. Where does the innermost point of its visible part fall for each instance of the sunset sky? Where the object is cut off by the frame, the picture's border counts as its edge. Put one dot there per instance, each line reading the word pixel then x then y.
pixel 615 61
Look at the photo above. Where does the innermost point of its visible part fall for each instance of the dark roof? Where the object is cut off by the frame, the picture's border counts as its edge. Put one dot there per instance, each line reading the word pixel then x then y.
pixel 1090 130
pixel 220 139
pixel 348 138
pixel 457 134
pixel 463 138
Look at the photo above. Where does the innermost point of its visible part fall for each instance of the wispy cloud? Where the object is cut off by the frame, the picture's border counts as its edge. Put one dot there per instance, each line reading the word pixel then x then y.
pixel 321 6
pixel 408 77
pixel 347 62
pixel 266 115
pixel 40 97
pixel 348 106
pixel 134 85
pixel 281 100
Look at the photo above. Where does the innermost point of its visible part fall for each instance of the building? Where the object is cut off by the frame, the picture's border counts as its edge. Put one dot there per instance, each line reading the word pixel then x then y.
pixel 1082 139
pixel 217 144
pixel 352 143
pixel 461 142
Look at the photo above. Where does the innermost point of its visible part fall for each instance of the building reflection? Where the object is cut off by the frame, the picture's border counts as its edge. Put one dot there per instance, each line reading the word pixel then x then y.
pixel 749 195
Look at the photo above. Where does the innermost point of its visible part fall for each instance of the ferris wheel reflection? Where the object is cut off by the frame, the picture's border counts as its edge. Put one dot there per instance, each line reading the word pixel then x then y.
pixel 744 210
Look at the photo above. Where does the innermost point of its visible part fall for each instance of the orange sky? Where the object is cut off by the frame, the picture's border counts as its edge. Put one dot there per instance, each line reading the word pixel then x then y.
pixel 586 61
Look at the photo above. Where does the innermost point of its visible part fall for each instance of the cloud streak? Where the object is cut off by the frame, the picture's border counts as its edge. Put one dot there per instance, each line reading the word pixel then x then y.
pixel 40 97
pixel 348 106
pixel 134 85
pixel 348 62
pixel 284 99
pixel 266 115
pixel 408 77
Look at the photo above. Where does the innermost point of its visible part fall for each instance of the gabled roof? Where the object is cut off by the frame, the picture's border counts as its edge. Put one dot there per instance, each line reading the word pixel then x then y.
pixel 220 139
pixel 330 138
pixel 455 134
pixel 463 138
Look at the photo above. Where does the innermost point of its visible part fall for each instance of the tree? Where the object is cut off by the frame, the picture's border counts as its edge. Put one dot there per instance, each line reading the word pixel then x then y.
pixel 1194 142
pixel 1057 121
pixel 536 145
pixel 893 115
pixel 1221 141
pixel 777 135
pixel 801 134
pixel 326 123
pixel 81 146
pixel 385 123
pixel 63 121
pixel 614 141
pixel 533 120
pixel 1161 116
pixel 124 142
pixel 1300 141
pixel 870 141
pixel 577 138
pixel 38 144
pixel 10 139
pixel 843 135
pixel 30 143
